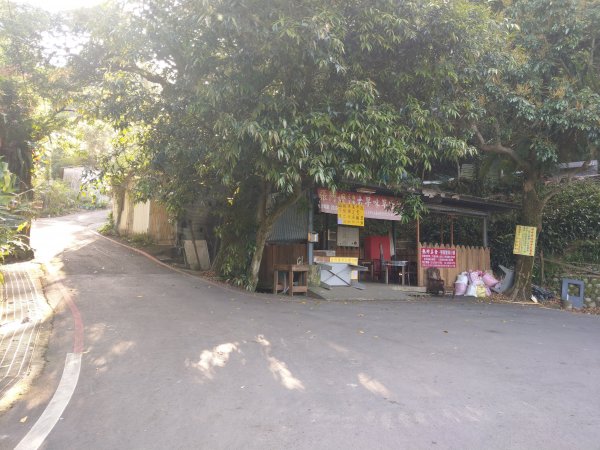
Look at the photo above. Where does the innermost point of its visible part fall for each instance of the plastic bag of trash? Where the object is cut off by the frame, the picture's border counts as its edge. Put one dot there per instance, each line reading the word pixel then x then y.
pixel 460 288
pixel 481 290
pixel 490 280
pixel 471 291
pixel 475 277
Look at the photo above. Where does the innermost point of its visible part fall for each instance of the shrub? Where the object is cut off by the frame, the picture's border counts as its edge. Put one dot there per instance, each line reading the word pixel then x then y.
pixel 570 217
pixel 56 197
pixel 109 228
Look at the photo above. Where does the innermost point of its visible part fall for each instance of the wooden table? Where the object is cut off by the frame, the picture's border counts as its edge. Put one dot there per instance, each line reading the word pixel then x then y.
pixel 288 279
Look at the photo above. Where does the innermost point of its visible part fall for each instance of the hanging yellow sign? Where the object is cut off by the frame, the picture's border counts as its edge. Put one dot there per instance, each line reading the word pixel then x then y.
pixel 350 214
pixel 525 240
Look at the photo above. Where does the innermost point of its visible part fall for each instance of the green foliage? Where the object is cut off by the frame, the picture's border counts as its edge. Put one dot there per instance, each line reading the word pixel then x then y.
pixel 108 229
pixel 78 143
pixel 237 240
pixel 501 232
pixel 235 260
pixel 12 218
pixel 571 216
pixel 541 89
pixel 540 100
pixel 31 91
pixel 411 207
pixel 276 97
pixel 584 251
pixel 141 240
pixel 57 198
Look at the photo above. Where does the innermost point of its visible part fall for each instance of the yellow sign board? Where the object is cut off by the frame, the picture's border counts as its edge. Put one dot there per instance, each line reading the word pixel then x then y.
pixel 350 214
pixel 347 260
pixel 525 240
pixel 344 259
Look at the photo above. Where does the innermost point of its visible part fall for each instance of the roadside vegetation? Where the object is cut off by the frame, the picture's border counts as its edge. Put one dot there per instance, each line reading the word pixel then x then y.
pixel 14 219
pixel 56 198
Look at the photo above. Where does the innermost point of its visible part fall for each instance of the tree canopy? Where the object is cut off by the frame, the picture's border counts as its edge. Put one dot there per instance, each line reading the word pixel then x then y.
pixel 30 103
pixel 273 97
pixel 247 104
pixel 541 102
pixel 33 92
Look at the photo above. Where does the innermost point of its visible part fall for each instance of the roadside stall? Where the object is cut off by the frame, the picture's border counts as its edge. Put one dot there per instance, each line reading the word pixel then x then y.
pixel 355 238
pixel 372 256
pixel 396 256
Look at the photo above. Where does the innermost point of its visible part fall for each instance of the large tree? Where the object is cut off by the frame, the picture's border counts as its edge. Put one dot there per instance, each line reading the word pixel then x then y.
pixel 268 98
pixel 542 102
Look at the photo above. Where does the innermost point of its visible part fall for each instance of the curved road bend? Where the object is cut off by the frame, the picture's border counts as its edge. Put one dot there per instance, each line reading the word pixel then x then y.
pixel 171 362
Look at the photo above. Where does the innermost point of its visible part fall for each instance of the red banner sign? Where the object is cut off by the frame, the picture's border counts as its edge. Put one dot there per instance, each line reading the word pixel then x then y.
pixel 438 257
pixel 375 206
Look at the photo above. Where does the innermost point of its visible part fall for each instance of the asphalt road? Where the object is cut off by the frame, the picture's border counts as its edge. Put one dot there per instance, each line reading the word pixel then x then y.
pixel 172 362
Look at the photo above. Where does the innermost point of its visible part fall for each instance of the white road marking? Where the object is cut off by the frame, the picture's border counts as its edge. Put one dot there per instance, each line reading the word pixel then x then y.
pixel 51 415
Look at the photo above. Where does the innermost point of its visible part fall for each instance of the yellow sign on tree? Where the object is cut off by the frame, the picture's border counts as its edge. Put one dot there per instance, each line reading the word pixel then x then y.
pixel 350 214
pixel 525 240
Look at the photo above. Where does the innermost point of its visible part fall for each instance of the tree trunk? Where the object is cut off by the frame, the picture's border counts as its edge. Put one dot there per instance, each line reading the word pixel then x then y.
pixel 120 199
pixel 521 290
pixel 531 216
pixel 266 218
pixel 262 233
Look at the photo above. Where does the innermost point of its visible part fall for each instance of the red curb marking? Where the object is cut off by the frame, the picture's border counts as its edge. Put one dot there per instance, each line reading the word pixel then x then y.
pixel 147 255
pixel 77 321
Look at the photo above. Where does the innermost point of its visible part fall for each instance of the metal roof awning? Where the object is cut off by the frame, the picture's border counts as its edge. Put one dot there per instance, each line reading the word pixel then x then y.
pixel 454 210
pixel 464 205
pixel 444 202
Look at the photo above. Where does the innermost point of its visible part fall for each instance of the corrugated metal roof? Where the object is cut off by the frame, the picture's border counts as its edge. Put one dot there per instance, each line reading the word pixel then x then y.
pixel 292 226
pixel 450 199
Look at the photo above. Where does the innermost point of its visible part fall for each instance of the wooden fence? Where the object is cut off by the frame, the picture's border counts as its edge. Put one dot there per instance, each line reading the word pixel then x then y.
pixel 161 228
pixel 467 258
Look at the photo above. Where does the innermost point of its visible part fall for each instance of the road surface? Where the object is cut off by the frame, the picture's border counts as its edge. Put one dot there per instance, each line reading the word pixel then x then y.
pixel 172 362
